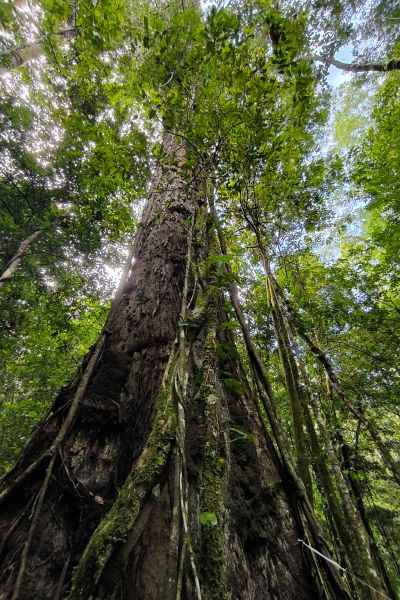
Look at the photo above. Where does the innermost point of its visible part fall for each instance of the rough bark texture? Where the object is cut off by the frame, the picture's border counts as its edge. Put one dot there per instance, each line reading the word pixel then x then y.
pixel 166 485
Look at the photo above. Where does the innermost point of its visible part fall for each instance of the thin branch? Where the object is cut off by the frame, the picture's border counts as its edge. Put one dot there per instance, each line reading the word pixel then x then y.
pixel 40 40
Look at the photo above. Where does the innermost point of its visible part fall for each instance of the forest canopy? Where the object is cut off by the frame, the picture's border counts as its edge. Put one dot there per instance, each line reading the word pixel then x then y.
pixel 272 133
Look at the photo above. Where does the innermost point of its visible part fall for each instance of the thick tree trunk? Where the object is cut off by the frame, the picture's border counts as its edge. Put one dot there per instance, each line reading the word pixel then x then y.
pixel 153 478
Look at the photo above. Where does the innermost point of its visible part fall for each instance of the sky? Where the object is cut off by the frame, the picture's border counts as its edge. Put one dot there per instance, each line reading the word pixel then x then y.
pixel 336 76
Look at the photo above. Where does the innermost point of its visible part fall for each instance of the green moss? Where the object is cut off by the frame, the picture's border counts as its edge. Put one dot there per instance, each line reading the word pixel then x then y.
pixel 200 229
pixel 213 561
pixel 212 554
pixel 200 310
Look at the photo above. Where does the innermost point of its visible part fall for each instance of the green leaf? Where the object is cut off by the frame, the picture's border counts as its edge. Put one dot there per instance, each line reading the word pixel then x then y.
pixel 208 518
pixel 220 259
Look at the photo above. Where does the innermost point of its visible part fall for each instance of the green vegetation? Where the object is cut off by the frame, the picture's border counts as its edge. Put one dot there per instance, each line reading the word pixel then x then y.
pixel 312 229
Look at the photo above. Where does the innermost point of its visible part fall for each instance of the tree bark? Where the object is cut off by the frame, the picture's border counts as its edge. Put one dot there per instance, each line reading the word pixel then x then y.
pixel 292 386
pixel 392 65
pixel 14 263
pixel 146 489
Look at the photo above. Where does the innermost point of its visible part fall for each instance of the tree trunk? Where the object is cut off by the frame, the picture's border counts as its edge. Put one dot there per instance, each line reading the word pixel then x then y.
pixel 387 459
pixel 292 385
pixel 357 550
pixel 153 477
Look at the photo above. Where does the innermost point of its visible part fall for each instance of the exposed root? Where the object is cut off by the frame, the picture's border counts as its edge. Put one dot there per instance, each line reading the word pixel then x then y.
pixel 35 517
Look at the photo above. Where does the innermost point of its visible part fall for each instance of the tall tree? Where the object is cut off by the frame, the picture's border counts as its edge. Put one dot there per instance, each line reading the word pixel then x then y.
pixel 165 467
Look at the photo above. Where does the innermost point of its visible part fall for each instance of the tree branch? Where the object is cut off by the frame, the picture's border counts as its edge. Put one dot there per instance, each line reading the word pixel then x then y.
pixel 392 65
pixel 14 263
pixel 18 55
